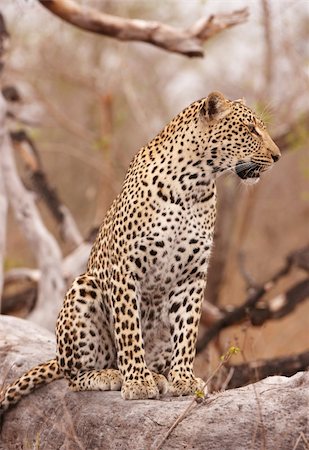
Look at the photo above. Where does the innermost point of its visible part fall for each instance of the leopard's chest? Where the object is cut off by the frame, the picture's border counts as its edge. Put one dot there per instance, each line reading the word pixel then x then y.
pixel 178 250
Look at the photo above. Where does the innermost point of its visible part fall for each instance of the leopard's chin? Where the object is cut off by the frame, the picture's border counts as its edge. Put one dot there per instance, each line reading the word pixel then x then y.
pixel 251 181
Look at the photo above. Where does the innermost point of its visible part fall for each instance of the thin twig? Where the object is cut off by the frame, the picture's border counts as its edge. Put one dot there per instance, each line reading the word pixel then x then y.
pixel 227 379
pixel 200 396
pixel 261 421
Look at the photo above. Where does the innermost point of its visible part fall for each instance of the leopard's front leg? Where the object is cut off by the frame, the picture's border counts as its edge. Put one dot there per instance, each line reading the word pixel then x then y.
pixel 138 380
pixel 184 315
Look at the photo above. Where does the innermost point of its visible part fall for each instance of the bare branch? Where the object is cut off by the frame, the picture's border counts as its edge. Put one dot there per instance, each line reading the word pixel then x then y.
pixel 293 296
pixel 19 297
pixel 281 305
pixel 258 311
pixel 188 42
pixel 30 155
pixel 300 258
pixel 21 284
pixel 43 244
pixel 257 370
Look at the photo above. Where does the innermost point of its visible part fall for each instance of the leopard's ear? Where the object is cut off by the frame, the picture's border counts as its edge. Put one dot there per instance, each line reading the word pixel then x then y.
pixel 241 100
pixel 215 106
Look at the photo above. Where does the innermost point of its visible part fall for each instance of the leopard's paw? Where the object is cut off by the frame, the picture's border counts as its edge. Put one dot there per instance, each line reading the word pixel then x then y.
pixel 161 382
pixel 186 386
pixel 114 379
pixel 143 388
pixel 101 380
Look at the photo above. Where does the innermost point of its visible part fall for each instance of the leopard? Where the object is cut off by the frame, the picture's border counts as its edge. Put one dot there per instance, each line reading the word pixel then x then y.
pixel 130 322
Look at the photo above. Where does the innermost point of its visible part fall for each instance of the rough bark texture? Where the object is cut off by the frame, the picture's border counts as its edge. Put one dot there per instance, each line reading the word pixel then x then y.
pixel 270 414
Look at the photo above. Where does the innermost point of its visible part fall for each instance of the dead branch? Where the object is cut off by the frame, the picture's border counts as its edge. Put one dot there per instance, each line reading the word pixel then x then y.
pixel 43 244
pixel 20 290
pixel 3 217
pixel 40 183
pixel 257 370
pixel 63 120
pixel 279 306
pixel 19 298
pixel 288 302
pixel 36 417
pixel 188 42
pixel 300 258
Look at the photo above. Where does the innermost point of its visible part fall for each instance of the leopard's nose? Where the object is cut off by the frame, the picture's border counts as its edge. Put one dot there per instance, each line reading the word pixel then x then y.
pixel 275 157
pixel 273 150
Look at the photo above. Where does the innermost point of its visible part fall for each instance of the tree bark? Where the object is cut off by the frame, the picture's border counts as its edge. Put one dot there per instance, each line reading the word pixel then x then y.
pixel 188 42
pixel 254 417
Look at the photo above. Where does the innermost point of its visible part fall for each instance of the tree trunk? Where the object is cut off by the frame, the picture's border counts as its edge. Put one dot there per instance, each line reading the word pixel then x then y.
pixel 267 415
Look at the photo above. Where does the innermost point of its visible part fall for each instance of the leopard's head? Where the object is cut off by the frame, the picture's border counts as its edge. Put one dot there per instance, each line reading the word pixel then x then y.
pixel 238 140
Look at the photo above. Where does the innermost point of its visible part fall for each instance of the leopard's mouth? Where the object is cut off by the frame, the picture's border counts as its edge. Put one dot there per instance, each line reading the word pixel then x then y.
pixel 249 172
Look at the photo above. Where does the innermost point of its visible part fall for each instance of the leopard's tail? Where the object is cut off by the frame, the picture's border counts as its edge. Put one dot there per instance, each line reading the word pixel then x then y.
pixel 31 380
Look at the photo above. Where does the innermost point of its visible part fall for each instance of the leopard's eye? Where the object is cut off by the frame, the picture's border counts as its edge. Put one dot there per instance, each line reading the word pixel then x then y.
pixel 252 129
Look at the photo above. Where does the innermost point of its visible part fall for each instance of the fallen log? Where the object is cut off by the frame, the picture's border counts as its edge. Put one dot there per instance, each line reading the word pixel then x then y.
pixel 269 414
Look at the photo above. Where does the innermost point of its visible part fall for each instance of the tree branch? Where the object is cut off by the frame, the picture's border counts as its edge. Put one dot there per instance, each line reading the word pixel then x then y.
pixel 29 153
pixel 43 244
pixel 257 370
pixel 288 302
pixel 279 306
pixel 21 284
pixel 187 42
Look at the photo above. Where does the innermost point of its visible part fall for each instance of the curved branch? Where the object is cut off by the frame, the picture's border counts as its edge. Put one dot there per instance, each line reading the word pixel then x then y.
pixel 187 42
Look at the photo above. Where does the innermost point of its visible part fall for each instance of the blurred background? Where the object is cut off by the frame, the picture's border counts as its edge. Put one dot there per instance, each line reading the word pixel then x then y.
pixel 91 102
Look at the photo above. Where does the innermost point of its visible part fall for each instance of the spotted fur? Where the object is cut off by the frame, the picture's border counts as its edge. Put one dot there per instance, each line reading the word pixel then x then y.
pixel 133 317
